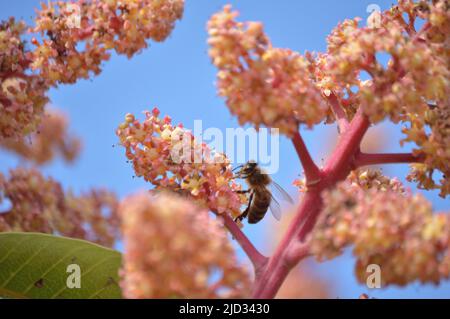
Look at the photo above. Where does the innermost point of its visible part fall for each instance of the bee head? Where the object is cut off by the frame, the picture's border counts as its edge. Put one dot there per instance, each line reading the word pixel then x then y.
pixel 246 169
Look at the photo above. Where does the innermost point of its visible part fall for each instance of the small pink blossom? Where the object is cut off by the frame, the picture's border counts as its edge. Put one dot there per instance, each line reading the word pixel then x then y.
pixel 173 248
pixel 169 157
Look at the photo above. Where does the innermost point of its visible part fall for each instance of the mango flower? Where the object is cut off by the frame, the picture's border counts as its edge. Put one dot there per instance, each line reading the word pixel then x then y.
pixel 51 139
pixel 22 95
pixel 262 85
pixel 101 26
pixel 35 203
pixel 173 249
pixel 387 226
pixel 170 157
pixel 75 39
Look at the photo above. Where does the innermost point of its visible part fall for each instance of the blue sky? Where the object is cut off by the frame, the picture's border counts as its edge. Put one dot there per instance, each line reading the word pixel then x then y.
pixel 177 76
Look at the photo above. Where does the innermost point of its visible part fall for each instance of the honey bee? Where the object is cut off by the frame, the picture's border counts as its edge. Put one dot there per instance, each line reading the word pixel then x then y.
pixel 260 189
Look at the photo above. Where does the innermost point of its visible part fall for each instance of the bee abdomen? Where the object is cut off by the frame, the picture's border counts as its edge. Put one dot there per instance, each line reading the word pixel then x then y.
pixel 255 216
pixel 259 207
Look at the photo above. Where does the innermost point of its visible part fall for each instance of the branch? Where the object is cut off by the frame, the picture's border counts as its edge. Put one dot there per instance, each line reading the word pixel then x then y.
pixel 258 260
pixel 288 253
pixel 342 160
pixel 312 172
pixel 363 159
pixel 337 168
pixel 296 252
pixel 427 26
pixel 341 117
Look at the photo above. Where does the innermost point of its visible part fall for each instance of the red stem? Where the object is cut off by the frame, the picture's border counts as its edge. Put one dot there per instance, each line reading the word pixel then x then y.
pixel 341 162
pixel 345 157
pixel 297 251
pixel 363 159
pixel 337 168
pixel 281 263
pixel 312 172
pixel 258 260
pixel 341 117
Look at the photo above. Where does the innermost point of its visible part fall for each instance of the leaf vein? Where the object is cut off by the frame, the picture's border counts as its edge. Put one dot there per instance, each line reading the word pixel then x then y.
pixel 12 249
pixel 13 275
pixel 52 267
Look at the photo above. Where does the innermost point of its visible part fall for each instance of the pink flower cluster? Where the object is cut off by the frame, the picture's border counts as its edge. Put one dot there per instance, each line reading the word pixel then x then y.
pixel 97 26
pixel 418 70
pixel 173 250
pixel 39 204
pixel 280 88
pixel 75 38
pixel 374 179
pixel 386 226
pixel 432 134
pixel 22 95
pixel 262 85
pixel 169 157
pixel 413 87
pixel 51 139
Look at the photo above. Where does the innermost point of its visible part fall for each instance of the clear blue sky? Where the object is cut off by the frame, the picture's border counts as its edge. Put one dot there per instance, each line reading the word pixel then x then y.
pixel 177 76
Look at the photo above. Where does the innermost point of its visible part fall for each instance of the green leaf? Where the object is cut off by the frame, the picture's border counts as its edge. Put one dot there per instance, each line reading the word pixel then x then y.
pixel 34 265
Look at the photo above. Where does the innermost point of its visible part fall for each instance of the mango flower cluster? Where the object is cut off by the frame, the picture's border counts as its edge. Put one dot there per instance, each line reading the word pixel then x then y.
pixel 386 226
pixel 98 26
pixel 412 88
pixel 39 204
pixel 51 139
pixel 262 85
pixel 22 95
pixel 170 157
pixel 432 134
pixel 173 249
pixel 374 179
pixel 418 70
pixel 75 39
pixel 280 88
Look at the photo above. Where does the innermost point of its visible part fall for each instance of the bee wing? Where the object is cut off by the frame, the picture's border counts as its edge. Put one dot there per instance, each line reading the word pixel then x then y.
pixel 275 208
pixel 280 193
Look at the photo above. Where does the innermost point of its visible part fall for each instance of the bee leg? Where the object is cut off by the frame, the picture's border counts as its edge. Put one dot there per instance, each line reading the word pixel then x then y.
pixel 245 212
pixel 243 191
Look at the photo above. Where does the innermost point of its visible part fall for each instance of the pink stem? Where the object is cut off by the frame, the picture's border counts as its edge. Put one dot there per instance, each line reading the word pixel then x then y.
pixel 258 260
pixel 363 159
pixel 281 263
pixel 341 162
pixel 297 251
pixel 338 111
pixel 312 172
pixel 337 168
pixel 344 158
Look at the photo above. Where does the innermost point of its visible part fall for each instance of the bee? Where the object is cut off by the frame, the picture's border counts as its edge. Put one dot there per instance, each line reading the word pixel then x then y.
pixel 260 188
